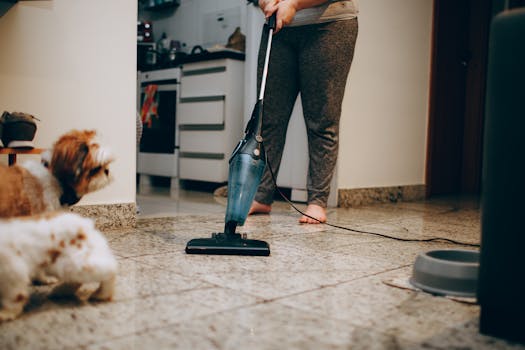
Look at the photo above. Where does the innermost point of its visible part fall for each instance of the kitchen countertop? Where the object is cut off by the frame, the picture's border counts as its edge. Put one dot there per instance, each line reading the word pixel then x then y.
pixel 205 55
pixel 208 55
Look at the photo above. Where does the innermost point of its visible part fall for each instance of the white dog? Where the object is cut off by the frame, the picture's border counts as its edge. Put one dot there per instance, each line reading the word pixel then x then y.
pixel 64 245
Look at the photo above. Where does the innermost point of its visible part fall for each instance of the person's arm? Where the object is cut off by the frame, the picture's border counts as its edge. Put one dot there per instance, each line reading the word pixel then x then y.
pixel 286 9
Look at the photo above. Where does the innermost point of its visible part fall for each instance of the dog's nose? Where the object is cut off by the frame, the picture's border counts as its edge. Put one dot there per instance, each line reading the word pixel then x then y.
pixel 106 171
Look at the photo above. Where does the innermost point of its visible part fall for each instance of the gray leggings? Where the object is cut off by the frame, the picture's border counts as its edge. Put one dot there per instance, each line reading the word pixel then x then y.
pixel 313 60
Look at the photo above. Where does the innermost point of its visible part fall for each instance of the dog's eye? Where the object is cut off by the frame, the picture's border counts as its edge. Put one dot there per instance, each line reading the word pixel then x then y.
pixel 95 171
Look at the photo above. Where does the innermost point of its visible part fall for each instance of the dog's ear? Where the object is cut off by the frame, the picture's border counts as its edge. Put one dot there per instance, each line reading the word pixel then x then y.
pixel 68 159
pixel 78 164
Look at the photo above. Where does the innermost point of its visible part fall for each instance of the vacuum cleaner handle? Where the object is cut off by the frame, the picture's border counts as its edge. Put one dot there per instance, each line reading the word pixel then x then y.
pixel 271 27
pixel 272 21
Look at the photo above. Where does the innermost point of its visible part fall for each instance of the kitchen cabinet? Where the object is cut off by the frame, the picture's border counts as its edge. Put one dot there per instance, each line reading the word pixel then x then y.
pixel 210 114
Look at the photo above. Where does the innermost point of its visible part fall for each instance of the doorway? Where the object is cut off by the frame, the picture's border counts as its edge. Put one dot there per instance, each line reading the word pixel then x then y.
pixel 457 96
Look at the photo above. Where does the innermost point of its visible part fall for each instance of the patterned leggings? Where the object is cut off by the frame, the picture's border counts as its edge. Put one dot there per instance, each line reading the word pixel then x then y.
pixel 313 60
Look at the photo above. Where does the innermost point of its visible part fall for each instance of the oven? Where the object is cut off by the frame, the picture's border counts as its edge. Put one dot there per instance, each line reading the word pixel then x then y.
pixel 157 106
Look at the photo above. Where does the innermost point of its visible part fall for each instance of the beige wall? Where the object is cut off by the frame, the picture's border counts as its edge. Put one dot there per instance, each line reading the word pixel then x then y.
pixel 71 63
pixel 385 110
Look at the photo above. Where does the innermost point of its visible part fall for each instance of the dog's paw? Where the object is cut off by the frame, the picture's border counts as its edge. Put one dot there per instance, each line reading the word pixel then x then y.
pixel 105 291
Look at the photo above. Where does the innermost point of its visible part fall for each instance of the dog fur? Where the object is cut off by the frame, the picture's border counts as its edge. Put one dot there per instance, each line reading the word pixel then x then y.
pixel 75 166
pixel 64 245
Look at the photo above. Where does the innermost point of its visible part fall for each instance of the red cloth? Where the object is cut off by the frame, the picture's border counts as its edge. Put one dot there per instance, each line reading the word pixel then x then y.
pixel 149 105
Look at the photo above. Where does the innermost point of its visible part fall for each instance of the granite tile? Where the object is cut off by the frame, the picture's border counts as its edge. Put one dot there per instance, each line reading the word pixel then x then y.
pixel 139 243
pixel 184 203
pixel 276 225
pixel 355 217
pixel 363 196
pixel 425 228
pixel 264 326
pixel 410 316
pixel 462 217
pixel 108 216
pixel 154 236
pixel 290 269
pixel 137 280
pixel 72 326
pixel 391 254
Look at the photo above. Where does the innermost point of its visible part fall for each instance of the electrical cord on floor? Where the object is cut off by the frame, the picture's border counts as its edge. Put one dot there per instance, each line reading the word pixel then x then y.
pixel 434 239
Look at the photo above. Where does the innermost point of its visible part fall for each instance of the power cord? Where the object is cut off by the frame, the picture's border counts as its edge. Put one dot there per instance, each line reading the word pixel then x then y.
pixel 434 239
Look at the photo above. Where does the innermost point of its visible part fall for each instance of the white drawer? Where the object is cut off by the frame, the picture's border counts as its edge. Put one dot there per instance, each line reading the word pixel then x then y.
pixel 198 111
pixel 211 170
pixel 205 142
pixel 160 164
pixel 207 81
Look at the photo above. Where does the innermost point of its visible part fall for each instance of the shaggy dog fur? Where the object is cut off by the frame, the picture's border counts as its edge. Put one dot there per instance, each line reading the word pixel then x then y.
pixel 63 245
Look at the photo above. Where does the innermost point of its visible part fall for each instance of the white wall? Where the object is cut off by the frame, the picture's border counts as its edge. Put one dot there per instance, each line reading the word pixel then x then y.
pixel 385 109
pixel 72 63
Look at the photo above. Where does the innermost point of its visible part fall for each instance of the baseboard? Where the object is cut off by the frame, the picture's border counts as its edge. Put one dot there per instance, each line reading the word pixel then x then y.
pixel 109 216
pixel 363 196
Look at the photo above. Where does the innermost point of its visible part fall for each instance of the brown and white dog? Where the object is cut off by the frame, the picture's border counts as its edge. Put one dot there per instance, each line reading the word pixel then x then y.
pixel 62 245
pixel 75 166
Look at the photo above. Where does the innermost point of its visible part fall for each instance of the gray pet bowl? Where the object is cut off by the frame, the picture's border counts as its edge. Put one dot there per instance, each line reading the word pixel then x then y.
pixel 447 272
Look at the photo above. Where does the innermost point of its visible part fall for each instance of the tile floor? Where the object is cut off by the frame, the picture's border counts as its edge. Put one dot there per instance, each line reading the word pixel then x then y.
pixel 321 288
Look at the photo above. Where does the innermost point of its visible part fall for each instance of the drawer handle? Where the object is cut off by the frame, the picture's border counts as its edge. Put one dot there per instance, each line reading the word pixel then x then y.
pixel 202 155
pixel 202 99
pixel 188 73
pixel 201 127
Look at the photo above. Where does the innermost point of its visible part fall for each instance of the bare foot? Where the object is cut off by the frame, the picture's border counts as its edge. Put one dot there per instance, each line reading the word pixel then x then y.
pixel 315 211
pixel 259 208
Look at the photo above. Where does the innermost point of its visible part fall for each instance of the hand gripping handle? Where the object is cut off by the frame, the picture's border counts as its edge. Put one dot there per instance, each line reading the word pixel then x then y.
pixel 272 21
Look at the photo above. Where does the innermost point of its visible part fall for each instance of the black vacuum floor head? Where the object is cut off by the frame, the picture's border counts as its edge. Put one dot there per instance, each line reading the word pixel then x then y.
pixel 222 244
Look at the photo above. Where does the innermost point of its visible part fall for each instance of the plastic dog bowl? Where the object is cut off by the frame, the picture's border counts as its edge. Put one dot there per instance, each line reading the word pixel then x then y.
pixel 447 272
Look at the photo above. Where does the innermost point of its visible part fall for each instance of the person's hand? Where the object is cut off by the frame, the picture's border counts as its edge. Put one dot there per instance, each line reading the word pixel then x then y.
pixel 286 10
pixel 268 7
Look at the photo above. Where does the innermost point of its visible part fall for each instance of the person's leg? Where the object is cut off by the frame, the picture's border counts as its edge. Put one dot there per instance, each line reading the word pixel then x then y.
pixel 324 62
pixel 282 86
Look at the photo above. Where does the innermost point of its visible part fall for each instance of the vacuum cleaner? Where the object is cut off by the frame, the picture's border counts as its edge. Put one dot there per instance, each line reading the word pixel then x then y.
pixel 246 167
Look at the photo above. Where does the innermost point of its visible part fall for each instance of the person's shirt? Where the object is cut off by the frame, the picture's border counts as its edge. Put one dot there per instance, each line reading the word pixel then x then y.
pixel 332 10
